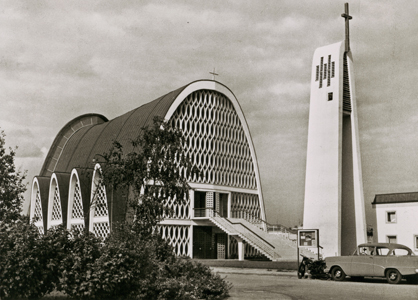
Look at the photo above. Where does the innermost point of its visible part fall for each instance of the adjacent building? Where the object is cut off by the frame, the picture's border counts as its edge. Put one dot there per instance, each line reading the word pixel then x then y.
pixel 397 219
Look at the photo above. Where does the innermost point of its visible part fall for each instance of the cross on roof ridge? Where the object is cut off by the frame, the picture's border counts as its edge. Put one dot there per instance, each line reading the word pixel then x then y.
pixel 213 74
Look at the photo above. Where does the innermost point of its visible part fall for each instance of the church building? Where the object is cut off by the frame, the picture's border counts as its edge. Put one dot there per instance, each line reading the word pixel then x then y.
pixel 220 145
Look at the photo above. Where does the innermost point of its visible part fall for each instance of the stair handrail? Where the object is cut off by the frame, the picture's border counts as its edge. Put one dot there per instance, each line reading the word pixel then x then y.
pixel 267 224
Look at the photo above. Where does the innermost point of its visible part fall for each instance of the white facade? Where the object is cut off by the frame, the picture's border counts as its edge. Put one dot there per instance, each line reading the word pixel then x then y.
pixel 398 223
pixel 334 200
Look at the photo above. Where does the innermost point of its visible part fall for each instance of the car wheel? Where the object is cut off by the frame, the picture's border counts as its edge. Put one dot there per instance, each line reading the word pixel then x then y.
pixel 301 271
pixel 337 274
pixel 393 276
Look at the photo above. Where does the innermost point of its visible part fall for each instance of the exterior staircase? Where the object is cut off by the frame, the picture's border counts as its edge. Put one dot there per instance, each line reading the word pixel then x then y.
pixel 274 247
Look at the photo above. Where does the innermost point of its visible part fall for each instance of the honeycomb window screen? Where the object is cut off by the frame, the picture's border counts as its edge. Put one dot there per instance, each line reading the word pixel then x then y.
pixel 56 207
pixel 245 206
pixel 101 229
pixel 177 236
pixel 180 210
pixel 77 210
pixel 100 214
pixel 38 208
pixel 77 214
pixel 100 201
pixel 216 142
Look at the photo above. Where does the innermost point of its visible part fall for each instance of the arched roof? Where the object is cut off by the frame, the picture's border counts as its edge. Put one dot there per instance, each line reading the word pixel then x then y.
pixel 79 142
pixel 88 141
pixel 79 148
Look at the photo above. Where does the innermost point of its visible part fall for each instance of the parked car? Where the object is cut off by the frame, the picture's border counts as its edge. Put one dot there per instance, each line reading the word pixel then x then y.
pixel 393 261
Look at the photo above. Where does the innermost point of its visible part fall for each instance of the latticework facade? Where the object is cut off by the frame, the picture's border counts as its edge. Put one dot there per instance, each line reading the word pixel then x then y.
pixel 218 143
pixel 100 218
pixel 38 216
pixel 77 214
pixel 56 217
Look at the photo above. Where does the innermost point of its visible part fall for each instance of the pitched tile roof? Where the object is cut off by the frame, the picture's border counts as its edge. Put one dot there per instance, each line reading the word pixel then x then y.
pixel 396 198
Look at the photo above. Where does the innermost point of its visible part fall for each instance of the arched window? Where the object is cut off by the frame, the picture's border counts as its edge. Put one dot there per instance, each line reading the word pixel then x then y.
pixel 99 212
pixel 54 204
pixel 36 207
pixel 75 204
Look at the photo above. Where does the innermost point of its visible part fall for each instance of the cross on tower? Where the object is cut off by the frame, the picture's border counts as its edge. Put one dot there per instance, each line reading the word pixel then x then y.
pixel 347 18
pixel 213 74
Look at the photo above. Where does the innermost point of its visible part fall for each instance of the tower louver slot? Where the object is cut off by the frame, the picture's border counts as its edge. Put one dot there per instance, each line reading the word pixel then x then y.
pixel 346 87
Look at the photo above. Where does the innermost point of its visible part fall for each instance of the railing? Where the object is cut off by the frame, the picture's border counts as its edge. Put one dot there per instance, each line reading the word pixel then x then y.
pixel 206 213
pixel 241 214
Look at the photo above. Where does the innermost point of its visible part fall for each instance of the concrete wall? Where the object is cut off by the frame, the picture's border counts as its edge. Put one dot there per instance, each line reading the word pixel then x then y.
pixel 334 201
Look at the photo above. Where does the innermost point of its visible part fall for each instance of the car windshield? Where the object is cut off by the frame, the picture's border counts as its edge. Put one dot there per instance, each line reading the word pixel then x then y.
pixel 365 250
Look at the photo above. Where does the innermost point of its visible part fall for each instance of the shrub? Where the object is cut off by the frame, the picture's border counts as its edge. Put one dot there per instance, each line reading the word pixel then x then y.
pixel 76 268
pixel 186 279
pixel 28 262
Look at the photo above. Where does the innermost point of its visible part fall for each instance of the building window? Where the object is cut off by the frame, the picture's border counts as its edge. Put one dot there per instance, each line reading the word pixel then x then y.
pixel 329 96
pixel 416 241
pixel 391 217
pixel 317 73
pixel 391 239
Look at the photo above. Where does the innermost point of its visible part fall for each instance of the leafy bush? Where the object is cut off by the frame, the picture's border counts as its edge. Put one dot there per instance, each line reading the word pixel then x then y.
pixel 29 262
pixel 187 279
pixel 76 268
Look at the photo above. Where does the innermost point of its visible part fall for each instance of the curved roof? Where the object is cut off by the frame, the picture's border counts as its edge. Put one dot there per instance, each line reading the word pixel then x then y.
pixel 88 141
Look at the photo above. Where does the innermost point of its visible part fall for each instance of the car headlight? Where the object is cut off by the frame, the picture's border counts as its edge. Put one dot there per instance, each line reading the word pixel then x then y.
pixel 416 270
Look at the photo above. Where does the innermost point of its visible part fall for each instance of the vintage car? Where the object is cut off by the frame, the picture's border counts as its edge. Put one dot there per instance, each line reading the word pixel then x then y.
pixel 393 261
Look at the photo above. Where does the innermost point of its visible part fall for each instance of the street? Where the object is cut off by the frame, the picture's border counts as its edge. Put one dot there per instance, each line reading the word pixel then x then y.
pixel 260 287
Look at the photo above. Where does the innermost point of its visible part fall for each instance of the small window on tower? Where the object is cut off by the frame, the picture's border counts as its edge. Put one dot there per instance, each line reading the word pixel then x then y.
pixel 333 69
pixel 325 71
pixel 329 96
pixel 317 73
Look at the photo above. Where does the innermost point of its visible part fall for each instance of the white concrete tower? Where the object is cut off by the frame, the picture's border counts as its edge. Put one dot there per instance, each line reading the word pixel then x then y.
pixel 334 199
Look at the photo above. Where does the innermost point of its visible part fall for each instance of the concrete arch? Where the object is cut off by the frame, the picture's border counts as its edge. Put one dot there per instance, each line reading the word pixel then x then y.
pixel 54 189
pixel 216 86
pixel 100 221
pixel 73 188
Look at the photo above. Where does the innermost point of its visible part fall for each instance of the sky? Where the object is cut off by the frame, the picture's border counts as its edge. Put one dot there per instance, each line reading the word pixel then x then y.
pixel 61 59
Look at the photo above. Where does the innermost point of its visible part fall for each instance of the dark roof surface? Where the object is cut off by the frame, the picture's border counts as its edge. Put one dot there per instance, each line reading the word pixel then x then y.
pixel 88 141
pixel 396 198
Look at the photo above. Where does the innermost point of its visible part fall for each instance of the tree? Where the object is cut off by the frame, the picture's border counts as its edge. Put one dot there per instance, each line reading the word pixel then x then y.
pixel 11 184
pixel 155 171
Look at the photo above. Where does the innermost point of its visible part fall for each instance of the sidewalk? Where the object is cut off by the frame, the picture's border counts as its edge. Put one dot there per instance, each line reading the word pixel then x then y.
pixel 252 271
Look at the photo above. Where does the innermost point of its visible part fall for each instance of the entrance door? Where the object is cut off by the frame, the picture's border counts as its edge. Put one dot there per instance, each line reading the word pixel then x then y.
pixel 223 205
pixel 202 242
pixel 199 204
pixel 221 245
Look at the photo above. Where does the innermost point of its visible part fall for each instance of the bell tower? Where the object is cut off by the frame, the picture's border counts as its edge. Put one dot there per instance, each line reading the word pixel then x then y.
pixel 334 199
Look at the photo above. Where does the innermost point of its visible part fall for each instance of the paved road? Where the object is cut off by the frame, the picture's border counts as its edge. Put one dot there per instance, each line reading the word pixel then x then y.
pixel 285 287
